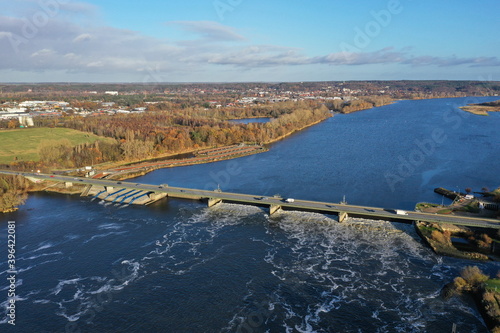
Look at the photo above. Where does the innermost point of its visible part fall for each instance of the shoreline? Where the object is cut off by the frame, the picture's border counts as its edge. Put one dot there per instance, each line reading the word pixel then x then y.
pixel 373 107
pixel 480 110
pixel 142 170
pixel 294 131
pixel 117 165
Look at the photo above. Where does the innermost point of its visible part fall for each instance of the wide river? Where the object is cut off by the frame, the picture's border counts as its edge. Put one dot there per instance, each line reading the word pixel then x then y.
pixel 177 266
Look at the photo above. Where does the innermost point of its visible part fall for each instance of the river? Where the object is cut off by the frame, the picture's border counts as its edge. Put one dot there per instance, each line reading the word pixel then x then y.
pixel 251 120
pixel 177 266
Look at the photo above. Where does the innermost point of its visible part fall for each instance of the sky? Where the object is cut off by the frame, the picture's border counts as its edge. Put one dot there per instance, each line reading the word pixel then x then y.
pixel 248 40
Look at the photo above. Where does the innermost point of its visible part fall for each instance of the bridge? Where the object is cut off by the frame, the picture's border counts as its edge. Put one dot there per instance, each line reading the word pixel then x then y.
pixel 272 203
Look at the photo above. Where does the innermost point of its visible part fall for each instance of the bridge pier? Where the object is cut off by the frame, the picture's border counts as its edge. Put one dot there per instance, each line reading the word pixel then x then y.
pixel 342 216
pixel 213 201
pixel 273 209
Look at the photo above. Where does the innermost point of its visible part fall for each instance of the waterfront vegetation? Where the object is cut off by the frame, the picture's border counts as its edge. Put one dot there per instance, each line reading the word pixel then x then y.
pixel 484 290
pixel 76 141
pixel 482 109
pixel 13 192
pixel 73 141
pixel 459 242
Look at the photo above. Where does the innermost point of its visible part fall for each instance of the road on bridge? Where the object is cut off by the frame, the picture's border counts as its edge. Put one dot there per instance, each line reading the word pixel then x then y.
pixel 326 207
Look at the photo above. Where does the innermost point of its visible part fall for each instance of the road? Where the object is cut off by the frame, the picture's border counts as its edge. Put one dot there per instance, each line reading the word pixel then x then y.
pixel 326 207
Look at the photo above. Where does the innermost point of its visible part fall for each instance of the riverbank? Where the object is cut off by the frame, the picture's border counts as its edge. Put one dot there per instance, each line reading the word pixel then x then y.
pixel 439 239
pixel 483 290
pixel 347 110
pixel 130 169
pixel 482 109
pixel 294 131
pixel 135 170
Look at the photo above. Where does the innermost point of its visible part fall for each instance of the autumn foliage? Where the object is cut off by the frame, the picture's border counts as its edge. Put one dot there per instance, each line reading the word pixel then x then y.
pixel 13 191
pixel 149 134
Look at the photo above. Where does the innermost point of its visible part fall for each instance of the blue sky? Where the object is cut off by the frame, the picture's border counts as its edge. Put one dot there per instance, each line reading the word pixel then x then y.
pixel 243 40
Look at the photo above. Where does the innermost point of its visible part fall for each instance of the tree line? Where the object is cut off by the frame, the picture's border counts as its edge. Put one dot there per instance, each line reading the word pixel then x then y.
pixel 146 135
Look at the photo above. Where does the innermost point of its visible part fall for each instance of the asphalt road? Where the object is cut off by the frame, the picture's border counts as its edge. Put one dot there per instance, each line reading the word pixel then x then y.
pixel 326 207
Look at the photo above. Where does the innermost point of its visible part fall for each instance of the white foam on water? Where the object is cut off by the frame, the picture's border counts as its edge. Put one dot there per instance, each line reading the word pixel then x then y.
pixel 71 237
pixel 110 226
pixel 44 245
pixel 61 284
pixel 79 296
pixel 348 262
pixel 41 301
pixel 189 237
pixel 19 282
pixel 105 235
pixel 41 255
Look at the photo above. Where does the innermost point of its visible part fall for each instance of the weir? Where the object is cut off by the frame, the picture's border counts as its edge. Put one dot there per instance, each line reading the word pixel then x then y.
pixel 342 209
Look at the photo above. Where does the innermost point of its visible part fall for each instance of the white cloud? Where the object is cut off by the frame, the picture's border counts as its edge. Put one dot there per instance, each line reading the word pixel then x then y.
pixel 43 53
pixel 209 30
pixel 82 38
pixel 65 44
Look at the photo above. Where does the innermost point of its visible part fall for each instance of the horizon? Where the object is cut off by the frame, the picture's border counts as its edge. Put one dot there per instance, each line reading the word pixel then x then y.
pixel 234 41
pixel 236 82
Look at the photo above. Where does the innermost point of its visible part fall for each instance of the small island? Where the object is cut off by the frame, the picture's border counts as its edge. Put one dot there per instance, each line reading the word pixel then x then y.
pixel 482 109
pixel 458 241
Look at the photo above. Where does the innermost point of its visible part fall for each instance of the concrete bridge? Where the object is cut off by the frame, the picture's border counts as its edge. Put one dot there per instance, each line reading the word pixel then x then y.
pixel 272 203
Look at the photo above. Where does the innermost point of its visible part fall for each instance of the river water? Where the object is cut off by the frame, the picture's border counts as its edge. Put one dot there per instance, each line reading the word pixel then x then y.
pixel 251 120
pixel 177 266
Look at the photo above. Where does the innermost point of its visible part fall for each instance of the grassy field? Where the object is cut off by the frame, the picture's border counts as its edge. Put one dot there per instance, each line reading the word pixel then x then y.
pixel 493 285
pixel 23 143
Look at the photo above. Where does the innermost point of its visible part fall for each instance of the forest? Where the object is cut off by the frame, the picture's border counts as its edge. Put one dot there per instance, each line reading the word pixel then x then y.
pixel 170 131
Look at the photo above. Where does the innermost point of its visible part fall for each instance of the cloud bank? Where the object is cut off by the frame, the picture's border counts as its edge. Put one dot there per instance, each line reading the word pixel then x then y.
pixel 65 38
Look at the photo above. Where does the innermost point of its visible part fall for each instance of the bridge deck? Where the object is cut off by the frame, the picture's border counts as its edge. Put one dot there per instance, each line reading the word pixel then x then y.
pixel 307 205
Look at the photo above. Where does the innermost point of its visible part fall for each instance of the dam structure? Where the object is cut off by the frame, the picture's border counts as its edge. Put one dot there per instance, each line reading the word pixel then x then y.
pixel 130 192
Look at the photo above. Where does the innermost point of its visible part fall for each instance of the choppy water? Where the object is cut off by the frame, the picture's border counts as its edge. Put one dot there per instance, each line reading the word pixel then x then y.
pixel 177 266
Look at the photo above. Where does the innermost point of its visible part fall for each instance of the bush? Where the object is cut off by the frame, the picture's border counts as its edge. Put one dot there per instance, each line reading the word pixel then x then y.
pixel 441 237
pixel 459 283
pixel 474 276
pixel 487 239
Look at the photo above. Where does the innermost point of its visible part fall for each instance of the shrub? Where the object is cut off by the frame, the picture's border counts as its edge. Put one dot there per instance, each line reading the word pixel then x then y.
pixel 487 239
pixel 441 237
pixel 474 276
pixel 459 283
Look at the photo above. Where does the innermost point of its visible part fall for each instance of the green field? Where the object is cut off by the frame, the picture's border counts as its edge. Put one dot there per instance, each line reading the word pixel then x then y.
pixel 493 284
pixel 23 143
